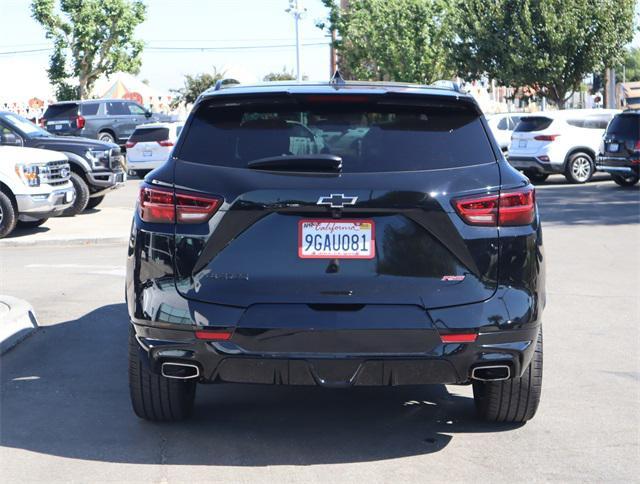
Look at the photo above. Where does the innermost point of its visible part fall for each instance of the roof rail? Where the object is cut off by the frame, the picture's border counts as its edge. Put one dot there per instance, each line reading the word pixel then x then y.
pixel 447 84
pixel 224 82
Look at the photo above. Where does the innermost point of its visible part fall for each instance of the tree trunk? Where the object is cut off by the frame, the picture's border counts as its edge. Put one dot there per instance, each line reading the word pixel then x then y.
pixel 82 87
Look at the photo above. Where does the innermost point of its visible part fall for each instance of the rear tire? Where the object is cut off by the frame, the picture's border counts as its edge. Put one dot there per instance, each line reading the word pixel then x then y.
pixel 627 181
pixel 580 168
pixel 106 137
pixel 155 397
pixel 82 195
pixel 515 400
pixel 31 224
pixel 94 202
pixel 8 216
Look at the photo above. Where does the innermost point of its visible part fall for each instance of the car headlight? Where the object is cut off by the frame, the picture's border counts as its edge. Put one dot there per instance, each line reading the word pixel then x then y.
pixel 29 174
pixel 98 158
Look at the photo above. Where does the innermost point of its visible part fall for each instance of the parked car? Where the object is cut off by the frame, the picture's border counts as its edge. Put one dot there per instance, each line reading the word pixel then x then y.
pixel 619 152
pixel 563 142
pixel 502 126
pixel 411 254
pixel 109 120
pixel 150 146
pixel 96 167
pixel 34 185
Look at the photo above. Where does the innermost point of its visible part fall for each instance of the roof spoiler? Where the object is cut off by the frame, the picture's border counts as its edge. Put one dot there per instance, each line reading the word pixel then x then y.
pixel 220 83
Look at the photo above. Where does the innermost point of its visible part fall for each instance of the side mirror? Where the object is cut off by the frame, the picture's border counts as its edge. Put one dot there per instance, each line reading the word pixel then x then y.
pixel 147 114
pixel 10 139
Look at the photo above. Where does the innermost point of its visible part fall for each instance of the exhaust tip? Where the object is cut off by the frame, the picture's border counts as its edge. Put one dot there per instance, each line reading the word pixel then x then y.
pixel 491 373
pixel 180 371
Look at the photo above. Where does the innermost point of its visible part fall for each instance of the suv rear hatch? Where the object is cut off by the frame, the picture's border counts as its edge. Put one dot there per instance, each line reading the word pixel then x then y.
pixel 405 159
pixel 530 134
pixel 63 118
pixel 149 143
pixel 622 137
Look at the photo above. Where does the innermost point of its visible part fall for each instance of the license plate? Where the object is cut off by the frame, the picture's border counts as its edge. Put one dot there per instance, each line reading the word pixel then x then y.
pixel 147 153
pixel 613 147
pixel 336 239
pixel 522 143
pixel 57 126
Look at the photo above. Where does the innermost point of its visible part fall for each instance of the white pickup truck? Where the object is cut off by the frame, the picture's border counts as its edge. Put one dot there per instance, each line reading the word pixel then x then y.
pixel 34 185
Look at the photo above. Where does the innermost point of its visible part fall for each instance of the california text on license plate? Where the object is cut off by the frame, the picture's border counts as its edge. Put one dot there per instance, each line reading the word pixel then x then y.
pixel 336 239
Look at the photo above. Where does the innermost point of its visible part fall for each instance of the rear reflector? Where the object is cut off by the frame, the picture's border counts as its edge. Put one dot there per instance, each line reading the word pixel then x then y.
pixel 458 338
pixel 161 205
pixel 213 335
pixel 506 209
pixel 80 122
pixel 546 137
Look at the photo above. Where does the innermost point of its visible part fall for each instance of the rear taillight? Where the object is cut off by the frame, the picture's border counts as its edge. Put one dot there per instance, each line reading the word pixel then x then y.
pixel 130 144
pixel 637 145
pixel 80 121
pixel 507 209
pixel 159 205
pixel 165 142
pixel 42 122
pixel 546 137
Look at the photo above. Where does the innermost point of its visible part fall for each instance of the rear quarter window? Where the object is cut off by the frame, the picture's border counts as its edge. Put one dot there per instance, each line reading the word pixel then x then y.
pixel 59 111
pixel 89 109
pixel 369 137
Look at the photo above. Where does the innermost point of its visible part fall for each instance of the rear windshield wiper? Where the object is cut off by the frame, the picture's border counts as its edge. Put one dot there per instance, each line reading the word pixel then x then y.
pixel 317 162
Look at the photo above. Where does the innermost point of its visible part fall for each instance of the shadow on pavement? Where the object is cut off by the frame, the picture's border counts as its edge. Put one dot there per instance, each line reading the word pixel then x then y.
pixel 589 204
pixel 65 393
pixel 24 232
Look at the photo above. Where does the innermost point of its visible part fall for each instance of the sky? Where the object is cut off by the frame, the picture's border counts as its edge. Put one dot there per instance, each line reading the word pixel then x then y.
pixel 255 37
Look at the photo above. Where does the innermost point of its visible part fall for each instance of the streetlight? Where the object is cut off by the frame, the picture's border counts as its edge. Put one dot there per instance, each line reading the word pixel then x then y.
pixel 297 10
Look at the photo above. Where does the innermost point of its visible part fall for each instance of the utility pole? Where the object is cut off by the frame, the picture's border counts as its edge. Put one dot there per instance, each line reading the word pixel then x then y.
pixel 297 10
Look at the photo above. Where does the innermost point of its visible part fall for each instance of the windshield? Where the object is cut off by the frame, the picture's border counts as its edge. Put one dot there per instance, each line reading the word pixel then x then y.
pixel 369 137
pixel 24 125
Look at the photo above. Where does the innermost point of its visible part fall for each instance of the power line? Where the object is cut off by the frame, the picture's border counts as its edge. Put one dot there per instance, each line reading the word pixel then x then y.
pixel 236 47
pixel 25 51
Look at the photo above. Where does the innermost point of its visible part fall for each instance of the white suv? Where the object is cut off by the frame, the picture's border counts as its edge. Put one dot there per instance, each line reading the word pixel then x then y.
pixel 150 146
pixel 563 142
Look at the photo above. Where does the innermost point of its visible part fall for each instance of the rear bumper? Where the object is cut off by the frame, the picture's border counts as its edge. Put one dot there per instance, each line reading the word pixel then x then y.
pixel 617 165
pixel 531 163
pixel 446 363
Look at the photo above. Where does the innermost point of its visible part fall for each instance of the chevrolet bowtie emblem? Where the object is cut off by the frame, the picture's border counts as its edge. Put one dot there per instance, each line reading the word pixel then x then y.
pixel 337 200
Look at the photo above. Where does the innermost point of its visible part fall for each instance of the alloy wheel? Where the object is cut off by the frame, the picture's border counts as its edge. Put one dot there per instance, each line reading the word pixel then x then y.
pixel 581 168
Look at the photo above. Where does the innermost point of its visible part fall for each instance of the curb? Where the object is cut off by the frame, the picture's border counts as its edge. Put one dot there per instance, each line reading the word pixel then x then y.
pixel 64 241
pixel 17 321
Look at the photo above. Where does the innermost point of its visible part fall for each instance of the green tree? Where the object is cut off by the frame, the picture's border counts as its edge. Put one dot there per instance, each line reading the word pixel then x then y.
pixel 550 45
pixel 98 36
pixel 631 64
pixel 194 85
pixel 284 75
pixel 394 40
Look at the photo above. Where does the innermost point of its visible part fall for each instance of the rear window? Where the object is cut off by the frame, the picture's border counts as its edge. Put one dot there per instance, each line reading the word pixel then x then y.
pixel 58 111
pixel 89 109
pixel 369 137
pixel 140 135
pixel 626 126
pixel 533 123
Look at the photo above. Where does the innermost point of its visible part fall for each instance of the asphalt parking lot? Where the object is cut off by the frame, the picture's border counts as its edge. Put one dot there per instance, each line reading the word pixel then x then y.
pixel 65 412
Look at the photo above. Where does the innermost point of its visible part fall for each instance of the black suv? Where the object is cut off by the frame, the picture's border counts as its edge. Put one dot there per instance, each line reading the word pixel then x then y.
pixel 110 120
pixel 620 149
pixel 96 166
pixel 337 234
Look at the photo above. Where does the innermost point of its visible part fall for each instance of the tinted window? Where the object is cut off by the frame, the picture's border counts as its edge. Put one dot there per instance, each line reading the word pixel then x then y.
pixel 368 137
pixel 596 122
pixel 533 123
pixel 57 111
pixel 179 130
pixel 117 108
pixel 149 134
pixel 89 109
pixel 625 126
pixel 503 124
pixel 135 109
